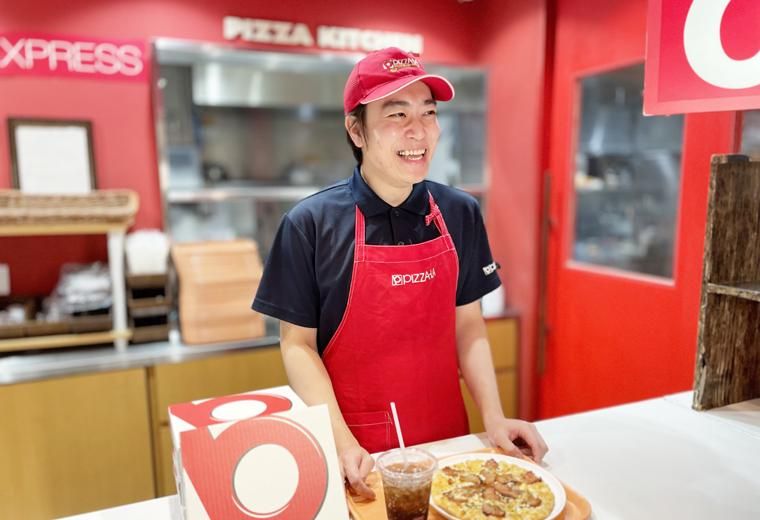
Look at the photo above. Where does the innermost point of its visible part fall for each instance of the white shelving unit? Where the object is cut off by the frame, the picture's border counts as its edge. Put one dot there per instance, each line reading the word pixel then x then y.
pixel 119 333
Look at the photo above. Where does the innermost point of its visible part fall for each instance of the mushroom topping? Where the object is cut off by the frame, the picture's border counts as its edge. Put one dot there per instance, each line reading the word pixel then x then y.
pixel 490 494
pixel 488 476
pixel 451 472
pixel 532 501
pixel 473 479
pixel 506 490
pixel 530 478
pixel 491 464
pixel 491 510
pixel 459 495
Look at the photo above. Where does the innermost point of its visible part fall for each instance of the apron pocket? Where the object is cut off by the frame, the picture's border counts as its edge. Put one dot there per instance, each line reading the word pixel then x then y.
pixel 371 429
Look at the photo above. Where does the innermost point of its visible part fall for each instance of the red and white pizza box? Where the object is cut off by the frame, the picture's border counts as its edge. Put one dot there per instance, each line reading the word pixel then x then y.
pixel 279 464
pixel 235 407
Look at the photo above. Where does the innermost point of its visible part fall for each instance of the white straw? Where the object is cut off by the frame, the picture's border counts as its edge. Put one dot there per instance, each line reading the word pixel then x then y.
pixel 398 431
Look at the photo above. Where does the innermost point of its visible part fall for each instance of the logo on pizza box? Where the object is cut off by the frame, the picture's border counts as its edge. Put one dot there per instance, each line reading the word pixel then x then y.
pixel 261 455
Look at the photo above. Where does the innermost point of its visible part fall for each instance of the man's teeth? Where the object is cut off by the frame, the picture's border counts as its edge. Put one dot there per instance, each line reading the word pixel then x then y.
pixel 412 153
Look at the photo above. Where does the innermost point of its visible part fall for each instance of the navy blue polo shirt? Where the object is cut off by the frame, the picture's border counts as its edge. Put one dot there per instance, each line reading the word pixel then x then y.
pixel 307 275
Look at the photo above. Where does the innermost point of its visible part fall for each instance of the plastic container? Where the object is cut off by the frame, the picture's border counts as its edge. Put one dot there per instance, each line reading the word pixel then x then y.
pixel 147 252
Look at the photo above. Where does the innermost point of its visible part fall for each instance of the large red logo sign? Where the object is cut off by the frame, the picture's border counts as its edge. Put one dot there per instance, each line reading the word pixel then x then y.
pixel 212 464
pixel 702 55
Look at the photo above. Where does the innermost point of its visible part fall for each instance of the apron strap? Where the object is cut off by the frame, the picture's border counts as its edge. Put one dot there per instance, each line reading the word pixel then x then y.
pixel 436 216
pixel 359 244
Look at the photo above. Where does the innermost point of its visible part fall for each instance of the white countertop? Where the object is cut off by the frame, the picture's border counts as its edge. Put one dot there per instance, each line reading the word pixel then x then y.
pixel 654 459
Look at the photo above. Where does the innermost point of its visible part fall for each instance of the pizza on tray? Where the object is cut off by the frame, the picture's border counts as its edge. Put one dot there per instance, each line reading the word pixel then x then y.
pixel 487 489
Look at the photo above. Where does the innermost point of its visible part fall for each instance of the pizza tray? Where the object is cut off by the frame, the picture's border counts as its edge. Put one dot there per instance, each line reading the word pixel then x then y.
pixel 576 507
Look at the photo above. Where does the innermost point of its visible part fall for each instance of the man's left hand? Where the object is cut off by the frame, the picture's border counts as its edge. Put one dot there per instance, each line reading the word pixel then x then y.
pixel 516 438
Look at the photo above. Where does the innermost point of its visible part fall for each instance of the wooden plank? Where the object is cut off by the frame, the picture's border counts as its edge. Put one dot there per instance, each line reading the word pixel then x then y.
pixel 146 281
pixel 728 365
pixel 748 291
pixel 165 463
pixel 10 230
pixel 62 340
pixel 732 254
pixel 75 444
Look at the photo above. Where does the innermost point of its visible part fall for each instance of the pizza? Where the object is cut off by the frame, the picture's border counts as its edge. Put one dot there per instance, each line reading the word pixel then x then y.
pixel 484 489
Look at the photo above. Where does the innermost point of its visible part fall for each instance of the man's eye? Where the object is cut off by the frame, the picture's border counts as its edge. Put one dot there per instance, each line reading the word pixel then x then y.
pixel 398 115
pixel 431 113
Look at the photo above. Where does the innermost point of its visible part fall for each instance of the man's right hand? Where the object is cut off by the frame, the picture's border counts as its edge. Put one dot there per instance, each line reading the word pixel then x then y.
pixel 356 463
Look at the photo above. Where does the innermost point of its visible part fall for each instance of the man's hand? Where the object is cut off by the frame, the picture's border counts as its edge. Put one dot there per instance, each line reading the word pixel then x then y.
pixel 355 464
pixel 516 437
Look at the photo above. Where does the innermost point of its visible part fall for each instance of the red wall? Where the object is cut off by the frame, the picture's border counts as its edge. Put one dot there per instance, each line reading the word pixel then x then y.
pixel 513 47
pixel 619 338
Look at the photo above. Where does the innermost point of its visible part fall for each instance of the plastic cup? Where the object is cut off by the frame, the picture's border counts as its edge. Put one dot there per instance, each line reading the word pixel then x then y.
pixel 407 478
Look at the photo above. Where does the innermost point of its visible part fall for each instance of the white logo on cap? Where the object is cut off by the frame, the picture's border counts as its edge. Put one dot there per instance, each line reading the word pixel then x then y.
pixel 395 65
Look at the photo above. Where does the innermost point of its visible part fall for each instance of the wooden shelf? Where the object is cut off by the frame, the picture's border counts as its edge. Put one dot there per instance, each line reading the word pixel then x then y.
pixel 728 342
pixel 8 230
pixel 109 212
pixel 63 340
pixel 748 291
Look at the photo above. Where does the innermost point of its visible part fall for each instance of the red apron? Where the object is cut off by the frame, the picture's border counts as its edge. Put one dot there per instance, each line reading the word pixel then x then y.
pixel 397 342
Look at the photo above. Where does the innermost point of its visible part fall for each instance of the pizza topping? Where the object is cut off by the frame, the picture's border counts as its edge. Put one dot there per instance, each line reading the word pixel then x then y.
pixel 492 510
pixel 490 494
pixel 491 464
pixel 532 501
pixel 460 495
pixel 451 472
pixel 506 478
pixel 506 490
pixel 472 479
pixel 488 476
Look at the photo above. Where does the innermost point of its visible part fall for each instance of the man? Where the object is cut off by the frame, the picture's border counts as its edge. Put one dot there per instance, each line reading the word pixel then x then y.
pixel 377 282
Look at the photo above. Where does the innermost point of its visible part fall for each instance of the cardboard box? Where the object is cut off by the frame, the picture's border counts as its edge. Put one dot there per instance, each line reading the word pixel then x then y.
pixel 217 283
pixel 261 454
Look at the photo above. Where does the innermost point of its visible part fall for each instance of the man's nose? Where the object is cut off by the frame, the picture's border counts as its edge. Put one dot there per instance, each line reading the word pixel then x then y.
pixel 415 129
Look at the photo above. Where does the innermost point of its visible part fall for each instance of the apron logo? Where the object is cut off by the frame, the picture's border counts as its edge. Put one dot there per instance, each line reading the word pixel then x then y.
pixel 403 279
pixel 490 268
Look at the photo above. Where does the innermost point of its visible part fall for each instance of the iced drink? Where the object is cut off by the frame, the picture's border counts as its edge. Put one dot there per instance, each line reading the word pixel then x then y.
pixel 406 483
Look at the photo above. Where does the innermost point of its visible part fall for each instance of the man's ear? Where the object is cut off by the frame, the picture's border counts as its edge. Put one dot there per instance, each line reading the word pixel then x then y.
pixel 354 129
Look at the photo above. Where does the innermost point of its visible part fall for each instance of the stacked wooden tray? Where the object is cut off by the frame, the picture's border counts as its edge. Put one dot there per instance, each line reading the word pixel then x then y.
pixel 149 305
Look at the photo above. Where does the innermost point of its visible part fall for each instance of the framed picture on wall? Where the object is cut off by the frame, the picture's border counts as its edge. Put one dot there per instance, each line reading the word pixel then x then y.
pixel 51 156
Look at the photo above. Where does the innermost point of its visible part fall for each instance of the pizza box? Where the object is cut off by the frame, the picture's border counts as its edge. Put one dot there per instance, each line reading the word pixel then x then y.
pixel 261 454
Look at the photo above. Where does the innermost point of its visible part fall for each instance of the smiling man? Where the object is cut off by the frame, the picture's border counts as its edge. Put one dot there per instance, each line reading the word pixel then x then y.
pixel 377 280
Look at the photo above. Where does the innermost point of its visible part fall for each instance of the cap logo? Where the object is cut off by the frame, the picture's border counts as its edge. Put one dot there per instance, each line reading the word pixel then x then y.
pixel 395 65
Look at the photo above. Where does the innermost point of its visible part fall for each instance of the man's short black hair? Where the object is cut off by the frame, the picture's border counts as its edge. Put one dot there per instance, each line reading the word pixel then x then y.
pixel 360 114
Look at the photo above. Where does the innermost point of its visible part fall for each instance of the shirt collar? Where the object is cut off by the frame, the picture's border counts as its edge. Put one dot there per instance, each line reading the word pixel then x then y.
pixel 370 204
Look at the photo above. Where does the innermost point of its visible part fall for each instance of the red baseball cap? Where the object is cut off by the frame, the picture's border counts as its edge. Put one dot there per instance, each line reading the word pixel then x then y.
pixel 385 72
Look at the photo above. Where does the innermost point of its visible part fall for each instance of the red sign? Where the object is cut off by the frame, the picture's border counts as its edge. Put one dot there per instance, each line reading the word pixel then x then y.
pixel 214 483
pixel 50 55
pixel 702 56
